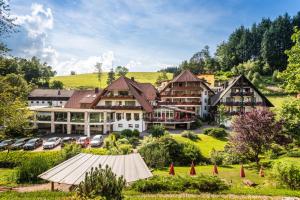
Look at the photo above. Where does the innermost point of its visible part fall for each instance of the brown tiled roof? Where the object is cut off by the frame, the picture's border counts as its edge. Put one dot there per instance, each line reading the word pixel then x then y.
pixel 79 97
pixel 137 89
pixel 50 93
pixel 186 76
pixel 149 90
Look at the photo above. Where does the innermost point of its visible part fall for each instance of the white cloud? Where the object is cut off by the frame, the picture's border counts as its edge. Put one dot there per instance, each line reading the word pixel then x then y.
pixel 86 65
pixel 32 38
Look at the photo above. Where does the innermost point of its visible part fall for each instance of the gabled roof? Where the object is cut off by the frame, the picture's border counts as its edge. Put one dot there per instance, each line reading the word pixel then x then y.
pixel 50 93
pixel 186 76
pixel 72 171
pixel 81 96
pixel 217 97
pixel 138 90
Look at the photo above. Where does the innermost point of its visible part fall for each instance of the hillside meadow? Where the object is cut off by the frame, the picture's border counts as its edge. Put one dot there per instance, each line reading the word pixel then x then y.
pixel 91 80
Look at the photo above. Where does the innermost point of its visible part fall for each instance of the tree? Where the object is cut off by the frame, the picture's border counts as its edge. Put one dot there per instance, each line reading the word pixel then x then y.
pixel 101 183
pixel 162 77
pixel 57 84
pixel 7 25
pixel 290 114
pixel 254 131
pixel 291 76
pixel 14 115
pixel 121 71
pixel 111 76
pixel 98 67
pixel 157 130
pixel 222 114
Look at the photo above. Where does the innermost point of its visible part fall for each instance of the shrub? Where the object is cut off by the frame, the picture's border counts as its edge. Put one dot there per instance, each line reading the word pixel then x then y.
pixel 287 173
pixel 216 157
pixel 71 150
pixel 157 130
pixel 125 149
pixel 155 155
pixel 122 141
pixel 96 151
pixel 134 141
pixel 294 153
pixel 162 151
pixel 126 133
pixel 135 133
pixel 215 132
pixel 101 183
pixel 30 169
pixel 190 134
pixel 200 183
pixel 275 151
pixel 196 124
pixel 16 158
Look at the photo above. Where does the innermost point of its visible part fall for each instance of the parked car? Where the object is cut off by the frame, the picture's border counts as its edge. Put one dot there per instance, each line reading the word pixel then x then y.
pixel 6 143
pixel 83 141
pixel 33 144
pixel 67 140
pixel 51 143
pixel 97 141
pixel 19 143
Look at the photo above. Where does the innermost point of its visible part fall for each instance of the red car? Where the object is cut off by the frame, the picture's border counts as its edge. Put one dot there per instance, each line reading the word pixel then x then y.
pixel 83 141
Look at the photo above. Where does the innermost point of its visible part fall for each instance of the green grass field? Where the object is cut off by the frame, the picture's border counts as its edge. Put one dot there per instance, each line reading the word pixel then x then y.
pixel 91 80
pixel 205 143
pixel 278 100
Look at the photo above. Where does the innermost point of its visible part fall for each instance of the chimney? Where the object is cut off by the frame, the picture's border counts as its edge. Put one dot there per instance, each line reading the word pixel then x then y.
pixel 96 90
pixel 132 78
pixel 58 92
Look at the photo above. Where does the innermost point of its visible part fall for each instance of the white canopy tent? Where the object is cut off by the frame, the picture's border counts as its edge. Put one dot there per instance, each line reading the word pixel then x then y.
pixel 132 167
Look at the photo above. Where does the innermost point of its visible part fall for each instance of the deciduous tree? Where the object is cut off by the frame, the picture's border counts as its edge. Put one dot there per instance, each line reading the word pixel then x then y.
pixel 254 132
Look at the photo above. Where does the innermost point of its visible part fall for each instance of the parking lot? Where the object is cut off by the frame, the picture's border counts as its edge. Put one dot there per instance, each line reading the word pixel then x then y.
pixel 58 147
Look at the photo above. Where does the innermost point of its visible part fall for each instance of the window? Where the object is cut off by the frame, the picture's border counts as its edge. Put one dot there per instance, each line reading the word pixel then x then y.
pixel 130 126
pixel 32 101
pixel 120 125
pixel 205 107
pixel 119 116
pixel 128 116
pixel 129 103
pixel 123 93
pixel 61 102
pixel 119 103
pixel 136 126
pixel 108 103
pixel 42 101
pixel 37 102
pixel 205 92
pixel 136 116
pixel 205 100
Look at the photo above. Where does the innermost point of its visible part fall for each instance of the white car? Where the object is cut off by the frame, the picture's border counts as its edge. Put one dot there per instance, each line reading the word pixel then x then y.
pixel 51 143
pixel 97 141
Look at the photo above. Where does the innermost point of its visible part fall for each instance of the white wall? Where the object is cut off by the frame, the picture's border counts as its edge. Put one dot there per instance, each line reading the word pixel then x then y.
pixel 46 103
pixel 125 124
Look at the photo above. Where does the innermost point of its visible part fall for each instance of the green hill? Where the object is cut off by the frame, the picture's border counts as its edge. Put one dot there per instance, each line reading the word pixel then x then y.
pixel 91 80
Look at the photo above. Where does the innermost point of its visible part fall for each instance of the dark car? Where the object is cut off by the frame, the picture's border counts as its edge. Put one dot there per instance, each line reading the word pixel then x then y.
pixel 6 143
pixel 33 144
pixel 83 141
pixel 19 143
pixel 67 140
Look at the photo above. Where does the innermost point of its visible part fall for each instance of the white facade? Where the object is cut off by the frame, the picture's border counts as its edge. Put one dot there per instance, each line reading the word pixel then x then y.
pixel 46 103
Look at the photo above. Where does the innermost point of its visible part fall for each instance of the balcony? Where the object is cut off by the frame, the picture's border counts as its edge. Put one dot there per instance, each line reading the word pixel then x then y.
pixel 245 103
pixel 119 107
pixel 43 118
pixel 190 119
pixel 181 95
pixel 118 97
pixel 242 94
pixel 178 88
pixel 179 103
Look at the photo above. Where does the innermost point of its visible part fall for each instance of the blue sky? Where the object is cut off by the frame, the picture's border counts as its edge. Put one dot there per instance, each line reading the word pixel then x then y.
pixel 144 35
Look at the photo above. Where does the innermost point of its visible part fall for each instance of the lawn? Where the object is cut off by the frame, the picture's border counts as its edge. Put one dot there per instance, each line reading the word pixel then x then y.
pixel 205 143
pixel 278 100
pixel 8 177
pixel 91 80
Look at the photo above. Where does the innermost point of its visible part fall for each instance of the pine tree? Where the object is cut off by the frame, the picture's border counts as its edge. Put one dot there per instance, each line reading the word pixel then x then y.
pixel 111 76
pixel 101 183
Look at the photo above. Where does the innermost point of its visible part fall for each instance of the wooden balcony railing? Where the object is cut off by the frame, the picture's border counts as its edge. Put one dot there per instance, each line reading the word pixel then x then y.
pixel 190 119
pixel 242 94
pixel 181 95
pixel 245 103
pixel 118 97
pixel 119 107
pixel 179 103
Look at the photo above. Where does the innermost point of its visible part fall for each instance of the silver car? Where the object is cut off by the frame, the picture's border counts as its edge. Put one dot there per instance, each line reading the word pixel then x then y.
pixel 51 143
pixel 97 141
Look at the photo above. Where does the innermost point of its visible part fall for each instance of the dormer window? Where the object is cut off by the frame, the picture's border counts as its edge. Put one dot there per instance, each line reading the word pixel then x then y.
pixel 123 93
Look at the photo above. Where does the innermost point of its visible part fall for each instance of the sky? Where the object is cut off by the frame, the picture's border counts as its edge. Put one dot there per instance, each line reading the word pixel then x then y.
pixel 143 35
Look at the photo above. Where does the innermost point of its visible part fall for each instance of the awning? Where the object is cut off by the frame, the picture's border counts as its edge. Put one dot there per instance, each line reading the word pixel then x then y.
pixel 132 167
